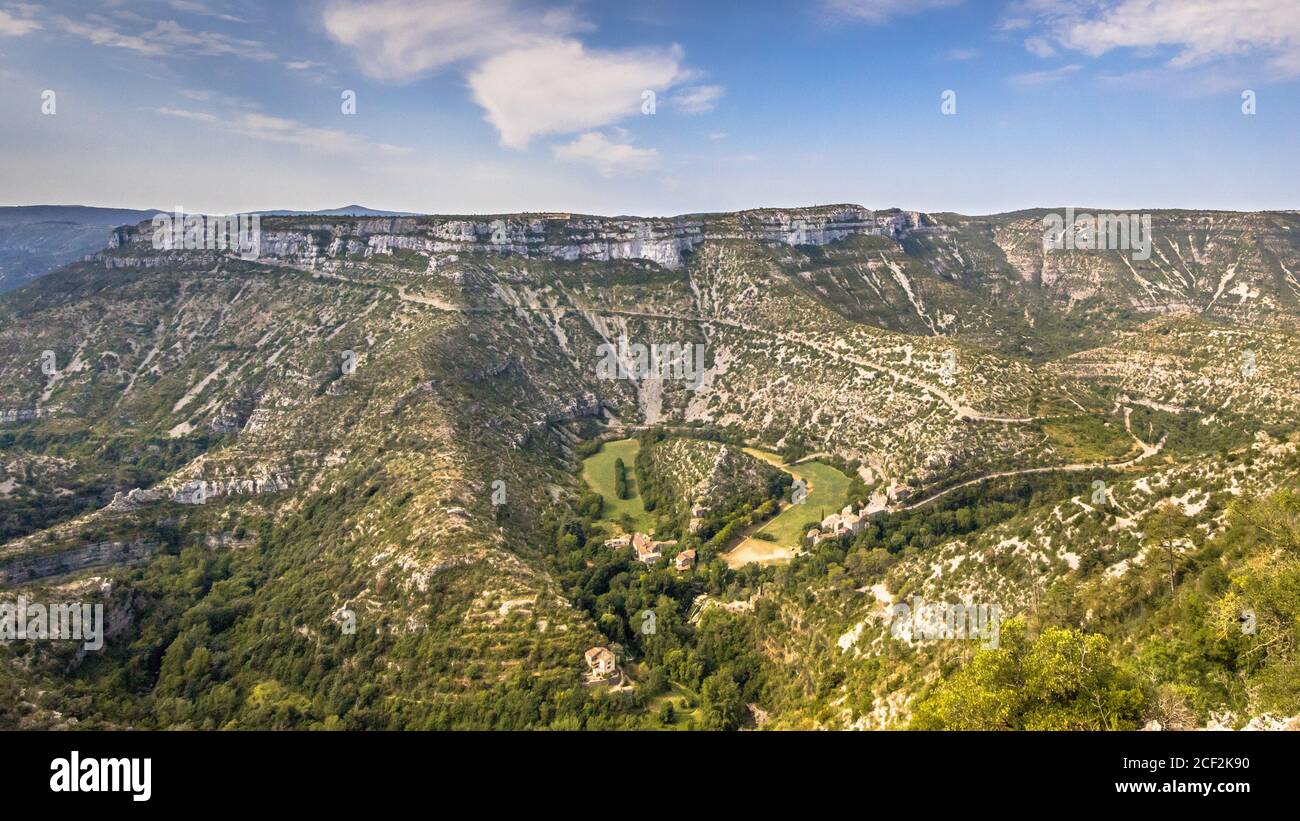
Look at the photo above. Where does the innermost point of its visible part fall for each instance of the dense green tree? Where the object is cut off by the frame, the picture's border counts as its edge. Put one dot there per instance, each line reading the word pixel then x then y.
pixel 1063 680
pixel 621 489
pixel 721 702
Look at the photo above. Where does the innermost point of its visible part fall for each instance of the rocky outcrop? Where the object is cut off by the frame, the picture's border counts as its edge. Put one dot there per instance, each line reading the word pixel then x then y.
pixel 582 406
pixel 249 486
pixel 25 569
pixel 232 416
pixel 199 491
pixel 133 500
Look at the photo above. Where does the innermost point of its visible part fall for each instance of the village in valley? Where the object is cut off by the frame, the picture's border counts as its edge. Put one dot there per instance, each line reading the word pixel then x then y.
pixel 607 665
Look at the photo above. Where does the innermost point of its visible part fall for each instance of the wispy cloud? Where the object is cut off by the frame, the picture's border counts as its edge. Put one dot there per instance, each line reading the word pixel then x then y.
pixel 878 11
pixel 607 156
pixel 960 54
pixel 1199 32
pixel 186 114
pixel 203 10
pixel 166 38
pixel 257 126
pixel 698 99
pixel 134 32
pixel 1039 47
pixel 1040 78
pixel 16 26
pixel 401 40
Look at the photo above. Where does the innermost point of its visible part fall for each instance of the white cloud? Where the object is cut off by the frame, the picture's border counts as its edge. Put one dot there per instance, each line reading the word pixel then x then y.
pixel 562 87
pixel 11 26
pixel 400 40
pixel 1199 31
pixel 962 54
pixel 1039 78
pixel 698 99
pixel 878 11
pixel 607 156
pixel 1039 47
pixel 524 67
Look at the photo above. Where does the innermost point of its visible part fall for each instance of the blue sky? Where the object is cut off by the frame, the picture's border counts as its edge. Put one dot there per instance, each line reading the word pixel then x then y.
pixel 513 105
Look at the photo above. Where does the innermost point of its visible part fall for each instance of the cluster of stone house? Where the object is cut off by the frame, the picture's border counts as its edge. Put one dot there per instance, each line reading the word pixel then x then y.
pixel 847 521
pixel 839 524
pixel 649 551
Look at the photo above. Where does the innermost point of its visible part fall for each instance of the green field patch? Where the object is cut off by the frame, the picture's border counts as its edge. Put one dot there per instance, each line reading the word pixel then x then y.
pixel 828 489
pixel 598 473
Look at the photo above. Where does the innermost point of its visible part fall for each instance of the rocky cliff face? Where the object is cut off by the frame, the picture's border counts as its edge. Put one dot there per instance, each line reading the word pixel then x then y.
pixel 1240 264
pixel 559 236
